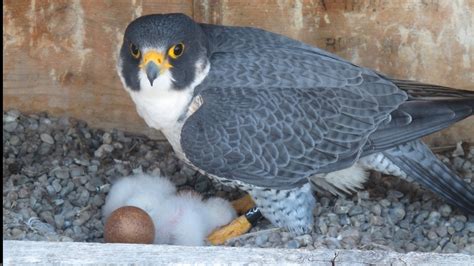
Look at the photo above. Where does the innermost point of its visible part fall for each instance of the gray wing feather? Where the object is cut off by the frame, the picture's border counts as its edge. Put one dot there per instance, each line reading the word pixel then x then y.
pixel 275 110
pixel 418 118
pixel 254 58
pixel 423 91
pixel 418 162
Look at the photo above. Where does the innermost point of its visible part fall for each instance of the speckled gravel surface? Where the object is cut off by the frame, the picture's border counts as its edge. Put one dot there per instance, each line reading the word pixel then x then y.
pixel 57 172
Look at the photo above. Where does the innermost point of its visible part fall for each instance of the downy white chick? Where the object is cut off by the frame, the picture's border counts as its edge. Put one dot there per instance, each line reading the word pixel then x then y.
pixel 182 218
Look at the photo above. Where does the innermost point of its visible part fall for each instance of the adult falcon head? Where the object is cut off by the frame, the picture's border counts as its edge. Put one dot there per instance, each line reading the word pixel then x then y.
pixel 275 116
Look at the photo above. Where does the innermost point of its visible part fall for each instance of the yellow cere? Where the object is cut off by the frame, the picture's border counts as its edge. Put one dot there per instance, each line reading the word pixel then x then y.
pixel 158 59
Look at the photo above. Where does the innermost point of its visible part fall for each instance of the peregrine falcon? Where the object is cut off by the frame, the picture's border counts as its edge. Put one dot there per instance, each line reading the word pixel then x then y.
pixel 277 117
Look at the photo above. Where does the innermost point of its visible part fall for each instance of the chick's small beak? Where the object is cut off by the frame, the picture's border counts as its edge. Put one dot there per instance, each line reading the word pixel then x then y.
pixel 154 64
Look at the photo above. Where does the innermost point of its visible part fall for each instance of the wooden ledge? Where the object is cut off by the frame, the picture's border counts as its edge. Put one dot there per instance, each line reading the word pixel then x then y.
pixel 61 253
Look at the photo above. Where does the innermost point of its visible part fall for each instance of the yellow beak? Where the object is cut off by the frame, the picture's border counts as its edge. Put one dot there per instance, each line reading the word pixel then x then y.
pixel 154 63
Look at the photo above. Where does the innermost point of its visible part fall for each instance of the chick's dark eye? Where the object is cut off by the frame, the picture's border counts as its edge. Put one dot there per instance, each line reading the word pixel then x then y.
pixel 134 51
pixel 176 50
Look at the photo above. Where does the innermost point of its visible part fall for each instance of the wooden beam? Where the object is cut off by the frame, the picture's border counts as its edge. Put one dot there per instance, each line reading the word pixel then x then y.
pixel 30 252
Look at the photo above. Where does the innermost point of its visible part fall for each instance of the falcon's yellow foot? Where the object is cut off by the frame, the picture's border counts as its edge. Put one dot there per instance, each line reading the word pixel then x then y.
pixel 243 204
pixel 237 227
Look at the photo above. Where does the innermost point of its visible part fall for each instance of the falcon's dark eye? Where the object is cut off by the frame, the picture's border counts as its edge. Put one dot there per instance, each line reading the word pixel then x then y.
pixel 134 51
pixel 176 50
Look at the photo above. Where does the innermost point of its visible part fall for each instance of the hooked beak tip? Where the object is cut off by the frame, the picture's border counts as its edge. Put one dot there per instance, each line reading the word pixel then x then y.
pixel 152 71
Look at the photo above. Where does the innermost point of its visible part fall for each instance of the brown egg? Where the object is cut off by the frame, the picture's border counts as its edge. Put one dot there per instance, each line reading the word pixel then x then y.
pixel 129 224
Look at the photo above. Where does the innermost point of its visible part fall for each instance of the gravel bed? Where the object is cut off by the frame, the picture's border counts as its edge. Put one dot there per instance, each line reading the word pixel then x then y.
pixel 57 172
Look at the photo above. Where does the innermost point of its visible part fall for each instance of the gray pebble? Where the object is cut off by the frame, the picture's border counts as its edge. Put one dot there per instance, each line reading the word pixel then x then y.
pixel 323 228
pixel 17 234
pixel 467 166
pixel 356 210
pixel 284 236
pixel 97 200
pixel 385 202
pixel 44 149
pixel 138 170
pixel 333 218
pixel 84 179
pixel 469 249
pixel 43 179
pixel 10 127
pixel 333 231
pixel 274 238
pixel 432 234
pixel 90 187
pixel 56 185
pixel 50 189
pixel 376 209
pixel 58 202
pixel 445 210
pixel 341 209
pixel 451 230
pixel 421 216
pixel 402 234
pixel 14 140
pixel 395 194
pixel 433 218
pixel 77 230
pixel 77 171
pixel 47 216
pixel 461 218
pixel 201 186
pixel 11 115
pixel 33 201
pixel 397 214
pixel 179 179
pixel 83 198
pixel 469 227
pixel 332 243
pixel 458 162
pixel 12 195
pixel 107 138
pixel 46 138
pixel 59 221
pixel 450 248
pixel 187 171
pixel 344 220
pixel 103 149
pixel 305 240
pixel 351 233
pixel 261 240
pixel 293 244
pixel 23 193
pixel 377 220
pixel 363 195
pixel 68 188
pixel 458 225
pixel 442 231
pixel 156 171
pixel 83 217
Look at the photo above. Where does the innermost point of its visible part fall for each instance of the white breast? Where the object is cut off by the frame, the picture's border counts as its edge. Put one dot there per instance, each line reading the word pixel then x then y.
pixel 160 105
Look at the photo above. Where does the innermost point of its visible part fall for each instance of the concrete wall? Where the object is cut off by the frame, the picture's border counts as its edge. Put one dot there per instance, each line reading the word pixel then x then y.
pixel 59 55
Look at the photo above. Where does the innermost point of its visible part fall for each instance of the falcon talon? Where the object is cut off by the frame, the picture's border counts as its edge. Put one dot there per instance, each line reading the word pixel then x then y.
pixel 272 115
pixel 237 227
